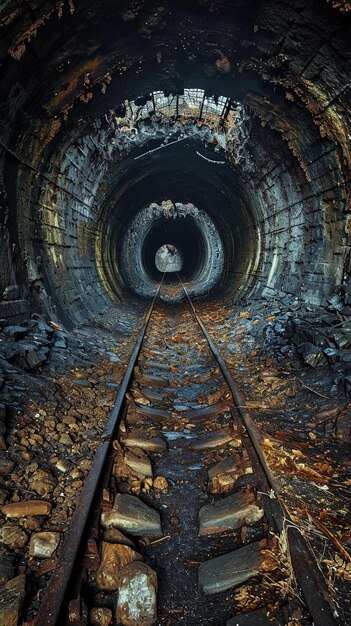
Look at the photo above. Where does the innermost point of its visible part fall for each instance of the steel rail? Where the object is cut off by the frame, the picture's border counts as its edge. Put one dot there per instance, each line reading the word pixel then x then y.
pixel 308 576
pixel 54 600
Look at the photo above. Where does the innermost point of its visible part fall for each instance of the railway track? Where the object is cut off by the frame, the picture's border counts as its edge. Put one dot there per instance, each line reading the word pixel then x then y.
pixel 180 521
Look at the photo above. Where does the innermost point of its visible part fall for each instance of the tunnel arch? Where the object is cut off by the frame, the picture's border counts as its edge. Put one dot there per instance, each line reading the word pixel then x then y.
pixel 188 228
pixel 225 169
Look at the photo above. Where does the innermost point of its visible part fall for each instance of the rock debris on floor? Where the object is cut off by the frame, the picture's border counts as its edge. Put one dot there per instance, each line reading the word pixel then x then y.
pixel 48 443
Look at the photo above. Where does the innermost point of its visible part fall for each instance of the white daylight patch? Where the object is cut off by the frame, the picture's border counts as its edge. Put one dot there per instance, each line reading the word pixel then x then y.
pixel 168 259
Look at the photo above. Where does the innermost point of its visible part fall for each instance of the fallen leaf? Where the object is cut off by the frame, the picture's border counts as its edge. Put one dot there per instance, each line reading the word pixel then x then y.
pixel 298 453
pixel 270 563
pixel 55 326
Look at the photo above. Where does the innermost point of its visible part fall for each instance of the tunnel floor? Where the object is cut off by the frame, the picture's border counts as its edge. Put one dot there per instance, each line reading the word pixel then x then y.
pixel 56 410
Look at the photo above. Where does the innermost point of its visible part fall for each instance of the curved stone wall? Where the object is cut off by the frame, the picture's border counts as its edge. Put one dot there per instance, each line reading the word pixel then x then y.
pixel 188 228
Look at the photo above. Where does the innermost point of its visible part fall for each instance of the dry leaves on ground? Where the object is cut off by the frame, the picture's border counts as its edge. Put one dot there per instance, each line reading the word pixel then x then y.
pixel 338 567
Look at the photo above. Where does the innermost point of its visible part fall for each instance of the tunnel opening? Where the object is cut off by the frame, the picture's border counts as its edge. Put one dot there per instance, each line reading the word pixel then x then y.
pixel 176 165
pixel 185 226
pixel 168 259
pixel 184 235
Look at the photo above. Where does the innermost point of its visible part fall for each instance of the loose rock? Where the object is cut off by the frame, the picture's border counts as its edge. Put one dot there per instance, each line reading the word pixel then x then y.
pixel 113 558
pixel 100 616
pixel 15 332
pixel 152 444
pixel 113 535
pixel 6 464
pixel 43 545
pixel 161 483
pixel 138 461
pixel 137 596
pixel 229 513
pixel 42 482
pixel 226 571
pixel 13 537
pixel 11 600
pixel 133 516
pixel 7 569
pixel 25 508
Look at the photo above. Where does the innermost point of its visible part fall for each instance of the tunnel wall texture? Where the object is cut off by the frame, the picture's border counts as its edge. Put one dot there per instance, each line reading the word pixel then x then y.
pixel 277 185
pixel 205 246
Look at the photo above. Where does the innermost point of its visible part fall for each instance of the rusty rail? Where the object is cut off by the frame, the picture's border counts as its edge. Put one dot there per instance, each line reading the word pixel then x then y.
pixel 55 597
pixel 59 591
pixel 308 576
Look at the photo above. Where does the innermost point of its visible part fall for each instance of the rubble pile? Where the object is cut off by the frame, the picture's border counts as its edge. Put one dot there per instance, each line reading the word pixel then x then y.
pixel 57 390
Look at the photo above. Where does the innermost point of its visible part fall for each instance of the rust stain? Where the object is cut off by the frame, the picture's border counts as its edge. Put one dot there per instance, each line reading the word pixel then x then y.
pixel 9 18
pixel 324 114
pixel 49 131
pixel 84 234
pixel 325 117
pixel 19 46
pixel 271 114
pixel 73 84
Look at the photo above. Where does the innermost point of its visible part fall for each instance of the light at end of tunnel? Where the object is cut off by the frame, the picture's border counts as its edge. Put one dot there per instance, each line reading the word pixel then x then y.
pixel 168 259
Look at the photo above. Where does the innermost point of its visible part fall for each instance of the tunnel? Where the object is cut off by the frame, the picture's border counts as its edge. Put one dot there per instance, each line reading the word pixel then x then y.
pixel 85 148
pixel 203 144
pixel 168 259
